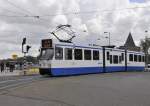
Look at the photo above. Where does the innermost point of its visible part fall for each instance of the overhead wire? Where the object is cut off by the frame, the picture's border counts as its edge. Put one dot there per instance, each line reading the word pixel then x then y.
pixel 9 31
pixel 40 17
pixel 18 7
pixel 27 11
pixel 83 12
pixel 69 13
pixel 95 11
pixel 10 11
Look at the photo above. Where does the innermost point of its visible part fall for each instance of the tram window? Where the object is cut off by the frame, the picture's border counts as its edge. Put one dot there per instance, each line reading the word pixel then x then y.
pixel 140 58
pixel 110 59
pixel 143 58
pixel 115 59
pixel 95 55
pixel 47 54
pixel 130 57
pixel 78 54
pixel 58 53
pixel 108 56
pixel 87 54
pixel 68 54
pixel 135 58
pixel 122 55
pixel 120 59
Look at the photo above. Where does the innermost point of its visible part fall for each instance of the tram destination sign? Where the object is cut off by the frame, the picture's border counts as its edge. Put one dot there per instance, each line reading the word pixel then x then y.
pixel 47 43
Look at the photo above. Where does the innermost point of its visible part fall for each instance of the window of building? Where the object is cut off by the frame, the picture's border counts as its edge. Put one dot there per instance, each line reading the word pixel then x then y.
pixel 96 55
pixel 87 54
pixel 140 58
pixel 130 57
pixel 68 54
pixel 115 59
pixel 108 56
pixel 122 55
pixel 135 58
pixel 58 53
pixel 111 59
pixel 78 54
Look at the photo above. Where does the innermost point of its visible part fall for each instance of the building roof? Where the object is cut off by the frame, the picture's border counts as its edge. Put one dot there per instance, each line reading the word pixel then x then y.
pixel 129 44
pixel 130 41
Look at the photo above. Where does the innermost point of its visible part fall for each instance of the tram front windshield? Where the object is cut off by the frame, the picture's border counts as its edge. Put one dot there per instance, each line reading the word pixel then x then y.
pixel 47 54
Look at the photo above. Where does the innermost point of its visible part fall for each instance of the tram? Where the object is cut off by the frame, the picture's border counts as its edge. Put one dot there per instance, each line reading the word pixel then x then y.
pixel 62 59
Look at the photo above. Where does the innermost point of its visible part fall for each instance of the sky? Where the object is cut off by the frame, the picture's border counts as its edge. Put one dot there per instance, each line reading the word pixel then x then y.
pixel 34 19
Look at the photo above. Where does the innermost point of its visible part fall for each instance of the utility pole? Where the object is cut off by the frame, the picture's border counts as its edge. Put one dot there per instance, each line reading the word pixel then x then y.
pixel 25 50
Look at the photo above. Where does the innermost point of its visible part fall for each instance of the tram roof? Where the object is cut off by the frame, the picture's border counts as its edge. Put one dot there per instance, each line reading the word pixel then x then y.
pixel 92 46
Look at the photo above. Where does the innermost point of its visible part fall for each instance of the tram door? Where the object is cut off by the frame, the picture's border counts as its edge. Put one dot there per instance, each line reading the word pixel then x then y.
pixel 113 60
pixel 107 59
pixel 104 60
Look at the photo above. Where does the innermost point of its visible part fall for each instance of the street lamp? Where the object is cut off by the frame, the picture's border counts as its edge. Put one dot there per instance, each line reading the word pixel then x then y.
pixel 108 36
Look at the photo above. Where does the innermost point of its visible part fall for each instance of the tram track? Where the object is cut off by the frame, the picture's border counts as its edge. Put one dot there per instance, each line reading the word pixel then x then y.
pixel 7 86
pixel 18 82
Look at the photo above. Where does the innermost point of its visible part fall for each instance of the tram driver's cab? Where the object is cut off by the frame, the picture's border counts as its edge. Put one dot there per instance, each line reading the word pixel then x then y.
pixel 46 53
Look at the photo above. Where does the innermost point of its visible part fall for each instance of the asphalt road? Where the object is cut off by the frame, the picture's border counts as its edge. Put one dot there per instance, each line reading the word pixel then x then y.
pixel 110 89
pixel 8 82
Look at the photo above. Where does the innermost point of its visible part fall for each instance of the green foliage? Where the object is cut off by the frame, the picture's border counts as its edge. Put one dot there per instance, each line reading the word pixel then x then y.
pixel 145 45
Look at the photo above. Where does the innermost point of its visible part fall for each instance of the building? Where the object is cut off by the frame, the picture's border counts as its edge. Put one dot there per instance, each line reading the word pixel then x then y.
pixel 130 45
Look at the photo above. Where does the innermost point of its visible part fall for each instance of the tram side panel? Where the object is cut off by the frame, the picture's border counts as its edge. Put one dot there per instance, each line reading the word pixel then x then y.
pixel 115 60
pixel 81 61
pixel 135 61
pixel 75 61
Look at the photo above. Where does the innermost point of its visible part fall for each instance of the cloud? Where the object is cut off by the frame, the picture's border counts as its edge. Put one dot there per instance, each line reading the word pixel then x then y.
pixel 59 20
pixel 89 26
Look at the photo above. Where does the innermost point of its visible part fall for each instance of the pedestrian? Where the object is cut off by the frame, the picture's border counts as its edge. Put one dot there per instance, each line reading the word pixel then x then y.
pixel 11 67
pixel 7 66
pixel 20 65
pixel 2 67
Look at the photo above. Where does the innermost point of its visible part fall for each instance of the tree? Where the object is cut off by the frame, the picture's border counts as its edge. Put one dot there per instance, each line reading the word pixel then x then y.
pixel 145 45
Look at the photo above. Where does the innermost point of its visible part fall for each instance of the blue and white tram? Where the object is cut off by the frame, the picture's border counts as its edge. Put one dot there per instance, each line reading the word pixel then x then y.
pixel 61 59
